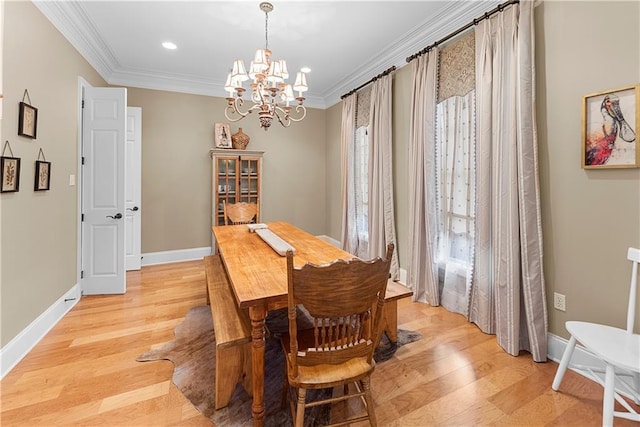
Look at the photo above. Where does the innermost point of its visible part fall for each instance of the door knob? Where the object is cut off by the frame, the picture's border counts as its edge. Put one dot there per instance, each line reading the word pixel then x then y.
pixel 135 208
pixel 116 216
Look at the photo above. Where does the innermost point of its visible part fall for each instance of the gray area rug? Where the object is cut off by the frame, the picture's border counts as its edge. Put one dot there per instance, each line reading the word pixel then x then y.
pixel 193 354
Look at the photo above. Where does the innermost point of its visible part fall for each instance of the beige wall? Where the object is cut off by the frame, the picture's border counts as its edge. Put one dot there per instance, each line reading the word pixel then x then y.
pixel 334 169
pixel 39 228
pixel 177 134
pixel 589 217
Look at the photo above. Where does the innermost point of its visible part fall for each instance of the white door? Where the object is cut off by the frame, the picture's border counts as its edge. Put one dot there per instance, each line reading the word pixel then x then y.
pixel 132 182
pixel 104 124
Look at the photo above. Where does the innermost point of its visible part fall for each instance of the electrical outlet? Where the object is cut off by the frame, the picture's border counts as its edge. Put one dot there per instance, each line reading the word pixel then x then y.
pixel 559 301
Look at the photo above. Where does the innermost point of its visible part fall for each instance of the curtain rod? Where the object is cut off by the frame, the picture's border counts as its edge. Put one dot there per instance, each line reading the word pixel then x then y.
pixel 498 8
pixel 382 74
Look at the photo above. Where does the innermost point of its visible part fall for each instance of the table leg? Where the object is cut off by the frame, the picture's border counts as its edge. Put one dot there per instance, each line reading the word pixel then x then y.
pixel 258 315
pixel 390 320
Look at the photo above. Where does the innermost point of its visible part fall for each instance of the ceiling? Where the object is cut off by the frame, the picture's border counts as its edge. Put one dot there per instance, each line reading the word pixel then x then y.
pixel 345 43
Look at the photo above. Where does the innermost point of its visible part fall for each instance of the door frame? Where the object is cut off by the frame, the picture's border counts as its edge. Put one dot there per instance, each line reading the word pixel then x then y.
pixel 137 215
pixel 82 83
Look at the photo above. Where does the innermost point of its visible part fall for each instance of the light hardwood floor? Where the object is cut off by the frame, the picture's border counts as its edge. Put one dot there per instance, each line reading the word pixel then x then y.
pixel 84 371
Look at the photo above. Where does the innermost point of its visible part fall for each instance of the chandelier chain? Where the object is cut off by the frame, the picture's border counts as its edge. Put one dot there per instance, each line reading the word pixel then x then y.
pixel 266 30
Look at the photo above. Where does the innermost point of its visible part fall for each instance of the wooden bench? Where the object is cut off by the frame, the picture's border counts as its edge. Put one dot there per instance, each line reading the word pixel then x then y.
pixel 395 292
pixel 232 328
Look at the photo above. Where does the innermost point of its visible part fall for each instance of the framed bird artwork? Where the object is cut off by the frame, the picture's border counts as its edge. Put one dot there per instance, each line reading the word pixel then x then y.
pixel 610 122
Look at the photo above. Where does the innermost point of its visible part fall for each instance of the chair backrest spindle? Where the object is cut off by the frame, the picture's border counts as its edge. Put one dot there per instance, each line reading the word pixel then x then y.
pixel 240 213
pixel 345 300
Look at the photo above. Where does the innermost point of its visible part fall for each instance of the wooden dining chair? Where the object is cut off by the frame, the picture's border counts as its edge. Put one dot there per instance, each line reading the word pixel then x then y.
pixel 345 301
pixel 240 213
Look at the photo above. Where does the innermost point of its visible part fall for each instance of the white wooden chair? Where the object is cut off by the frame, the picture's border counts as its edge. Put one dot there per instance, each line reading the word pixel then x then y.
pixel 619 350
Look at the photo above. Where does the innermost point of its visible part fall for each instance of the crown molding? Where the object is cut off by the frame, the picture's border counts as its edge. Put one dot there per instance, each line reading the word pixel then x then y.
pixel 449 19
pixel 73 23
pixel 71 20
pixel 183 84
pixel 166 82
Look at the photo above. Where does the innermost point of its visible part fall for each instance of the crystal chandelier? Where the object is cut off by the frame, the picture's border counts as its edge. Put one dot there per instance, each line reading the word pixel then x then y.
pixel 270 93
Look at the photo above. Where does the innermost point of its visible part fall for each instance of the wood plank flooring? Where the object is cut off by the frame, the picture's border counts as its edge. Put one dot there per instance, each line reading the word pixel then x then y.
pixel 84 371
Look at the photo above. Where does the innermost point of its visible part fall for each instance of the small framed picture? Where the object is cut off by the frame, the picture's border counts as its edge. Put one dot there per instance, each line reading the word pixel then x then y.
pixel 610 122
pixel 10 174
pixel 43 176
pixel 223 135
pixel 27 120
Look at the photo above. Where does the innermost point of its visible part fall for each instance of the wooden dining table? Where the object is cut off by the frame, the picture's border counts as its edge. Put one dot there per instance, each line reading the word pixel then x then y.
pixel 258 276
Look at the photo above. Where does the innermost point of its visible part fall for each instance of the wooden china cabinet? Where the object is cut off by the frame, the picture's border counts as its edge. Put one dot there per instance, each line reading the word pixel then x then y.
pixel 236 177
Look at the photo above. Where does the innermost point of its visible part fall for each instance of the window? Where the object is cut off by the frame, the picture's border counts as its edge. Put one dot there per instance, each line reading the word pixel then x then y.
pixel 455 172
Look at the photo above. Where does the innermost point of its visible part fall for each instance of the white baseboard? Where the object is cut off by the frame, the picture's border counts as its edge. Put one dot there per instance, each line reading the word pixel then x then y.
pixel 336 243
pixel 403 276
pixel 555 350
pixel 153 258
pixel 21 345
pixel 330 240
pixel 12 353
pixel 582 358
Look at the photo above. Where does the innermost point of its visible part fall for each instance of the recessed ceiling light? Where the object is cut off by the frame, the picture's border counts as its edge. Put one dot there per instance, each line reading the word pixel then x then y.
pixel 305 69
pixel 169 45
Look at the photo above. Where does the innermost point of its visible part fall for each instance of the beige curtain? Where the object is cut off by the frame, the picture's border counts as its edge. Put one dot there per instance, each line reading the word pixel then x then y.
pixel 381 216
pixel 422 274
pixel 508 295
pixel 349 235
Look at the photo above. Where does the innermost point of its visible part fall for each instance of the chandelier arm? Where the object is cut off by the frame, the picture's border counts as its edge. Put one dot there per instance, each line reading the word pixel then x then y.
pixel 233 108
pixel 258 94
pixel 300 109
pixel 277 110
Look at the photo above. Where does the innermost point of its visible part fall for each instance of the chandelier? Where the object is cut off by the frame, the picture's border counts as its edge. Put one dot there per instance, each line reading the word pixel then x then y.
pixel 270 94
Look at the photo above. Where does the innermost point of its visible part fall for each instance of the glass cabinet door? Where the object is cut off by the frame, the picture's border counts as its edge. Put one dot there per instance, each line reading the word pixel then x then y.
pixel 236 179
pixel 249 183
pixel 226 183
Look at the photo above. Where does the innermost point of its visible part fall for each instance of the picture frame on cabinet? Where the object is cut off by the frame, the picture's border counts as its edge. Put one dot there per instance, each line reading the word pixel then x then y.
pixel 610 123
pixel 43 176
pixel 222 135
pixel 10 174
pixel 27 120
